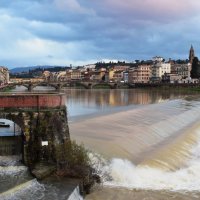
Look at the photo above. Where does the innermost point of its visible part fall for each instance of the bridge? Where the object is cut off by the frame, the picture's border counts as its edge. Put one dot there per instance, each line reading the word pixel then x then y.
pixel 42 119
pixel 61 84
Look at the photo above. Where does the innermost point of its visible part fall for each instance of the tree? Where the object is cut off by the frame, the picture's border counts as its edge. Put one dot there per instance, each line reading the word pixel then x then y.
pixel 195 72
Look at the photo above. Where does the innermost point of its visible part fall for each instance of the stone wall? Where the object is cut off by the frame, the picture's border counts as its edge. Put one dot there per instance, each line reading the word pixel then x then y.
pixel 45 120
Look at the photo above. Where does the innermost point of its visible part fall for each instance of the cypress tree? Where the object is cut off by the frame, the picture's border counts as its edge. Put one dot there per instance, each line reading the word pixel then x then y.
pixel 195 72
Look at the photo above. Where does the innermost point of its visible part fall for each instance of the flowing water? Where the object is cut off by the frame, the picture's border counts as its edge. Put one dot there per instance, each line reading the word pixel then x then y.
pixel 148 142
pixel 145 144
pixel 16 183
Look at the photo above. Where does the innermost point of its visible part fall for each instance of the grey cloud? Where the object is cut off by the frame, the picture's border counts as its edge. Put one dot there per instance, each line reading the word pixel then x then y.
pixel 91 30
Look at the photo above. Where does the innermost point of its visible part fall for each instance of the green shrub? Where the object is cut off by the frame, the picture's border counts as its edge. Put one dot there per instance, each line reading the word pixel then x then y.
pixel 70 154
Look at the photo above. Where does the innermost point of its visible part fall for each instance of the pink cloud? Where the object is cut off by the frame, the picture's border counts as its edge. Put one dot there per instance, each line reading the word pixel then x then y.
pixel 159 10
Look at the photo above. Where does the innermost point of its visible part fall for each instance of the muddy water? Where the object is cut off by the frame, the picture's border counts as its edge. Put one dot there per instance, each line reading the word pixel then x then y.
pixel 147 142
pixel 152 147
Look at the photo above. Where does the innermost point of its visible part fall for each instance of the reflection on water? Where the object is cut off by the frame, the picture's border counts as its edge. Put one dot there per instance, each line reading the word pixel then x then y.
pixel 162 140
pixel 81 102
pixel 101 98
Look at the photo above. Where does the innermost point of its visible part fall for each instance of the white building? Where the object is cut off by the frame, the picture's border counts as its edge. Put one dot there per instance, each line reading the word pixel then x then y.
pixel 158 70
pixel 90 66
pixel 157 59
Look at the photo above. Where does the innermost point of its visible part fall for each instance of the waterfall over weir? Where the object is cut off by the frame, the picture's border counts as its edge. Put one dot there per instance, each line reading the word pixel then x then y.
pixel 145 134
pixel 153 147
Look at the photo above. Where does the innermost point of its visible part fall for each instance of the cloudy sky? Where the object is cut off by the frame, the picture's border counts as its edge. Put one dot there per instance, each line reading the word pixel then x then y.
pixel 63 32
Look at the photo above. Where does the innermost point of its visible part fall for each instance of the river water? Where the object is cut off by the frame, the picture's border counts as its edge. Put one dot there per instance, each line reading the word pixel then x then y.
pixel 16 182
pixel 145 143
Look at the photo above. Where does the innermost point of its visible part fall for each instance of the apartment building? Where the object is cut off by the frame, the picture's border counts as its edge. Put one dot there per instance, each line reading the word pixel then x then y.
pixel 158 70
pixel 182 70
pixel 140 74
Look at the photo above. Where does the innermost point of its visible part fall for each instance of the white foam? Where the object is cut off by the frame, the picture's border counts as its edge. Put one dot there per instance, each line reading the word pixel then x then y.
pixel 10 160
pixel 123 173
pixel 9 170
pixel 19 192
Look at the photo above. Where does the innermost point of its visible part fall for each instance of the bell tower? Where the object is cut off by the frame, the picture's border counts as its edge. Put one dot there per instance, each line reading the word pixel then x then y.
pixel 191 55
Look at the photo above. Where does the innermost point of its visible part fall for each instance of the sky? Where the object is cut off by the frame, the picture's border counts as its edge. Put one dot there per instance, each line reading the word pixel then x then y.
pixel 78 32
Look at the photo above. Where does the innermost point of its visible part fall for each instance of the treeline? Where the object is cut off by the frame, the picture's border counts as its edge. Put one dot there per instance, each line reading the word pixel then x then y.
pixel 51 69
pixel 134 63
pixel 37 72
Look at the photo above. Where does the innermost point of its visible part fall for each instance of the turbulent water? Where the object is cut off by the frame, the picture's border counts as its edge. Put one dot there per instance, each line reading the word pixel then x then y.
pixel 147 152
pixel 17 184
pixel 145 143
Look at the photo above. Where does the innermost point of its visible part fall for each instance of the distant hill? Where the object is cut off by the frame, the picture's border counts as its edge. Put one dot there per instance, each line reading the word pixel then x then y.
pixel 26 69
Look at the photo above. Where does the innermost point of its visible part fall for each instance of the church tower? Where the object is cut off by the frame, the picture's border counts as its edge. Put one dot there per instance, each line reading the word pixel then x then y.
pixel 191 55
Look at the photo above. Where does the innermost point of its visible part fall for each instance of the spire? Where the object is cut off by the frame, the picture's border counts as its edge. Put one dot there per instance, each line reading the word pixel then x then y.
pixel 191 54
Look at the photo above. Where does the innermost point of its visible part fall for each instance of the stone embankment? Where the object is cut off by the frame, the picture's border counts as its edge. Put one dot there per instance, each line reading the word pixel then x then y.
pixel 46 145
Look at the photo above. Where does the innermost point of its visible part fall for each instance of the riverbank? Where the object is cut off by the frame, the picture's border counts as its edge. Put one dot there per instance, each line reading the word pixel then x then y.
pixel 171 87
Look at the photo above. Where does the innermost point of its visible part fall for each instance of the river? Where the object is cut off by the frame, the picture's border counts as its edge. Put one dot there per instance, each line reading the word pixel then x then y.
pixel 145 143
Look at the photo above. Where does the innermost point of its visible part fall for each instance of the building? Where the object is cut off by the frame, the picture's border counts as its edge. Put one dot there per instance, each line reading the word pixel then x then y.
pixel 62 76
pixel 125 76
pixel 53 77
pixel 182 70
pixel 46 75
pixel 171 78
pixel 98 75
pixel 189 80
pixel 191 54
pixel 158 70
pixel 118 76
pixel 121 68
pixel 111 74
pixel 141 74
pixel 90 67
pixel 157 59
pixel 73 75
pixel 4 76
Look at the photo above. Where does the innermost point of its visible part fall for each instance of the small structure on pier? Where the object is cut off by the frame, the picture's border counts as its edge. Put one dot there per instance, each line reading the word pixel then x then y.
pixel 10 138
pixel 34 119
